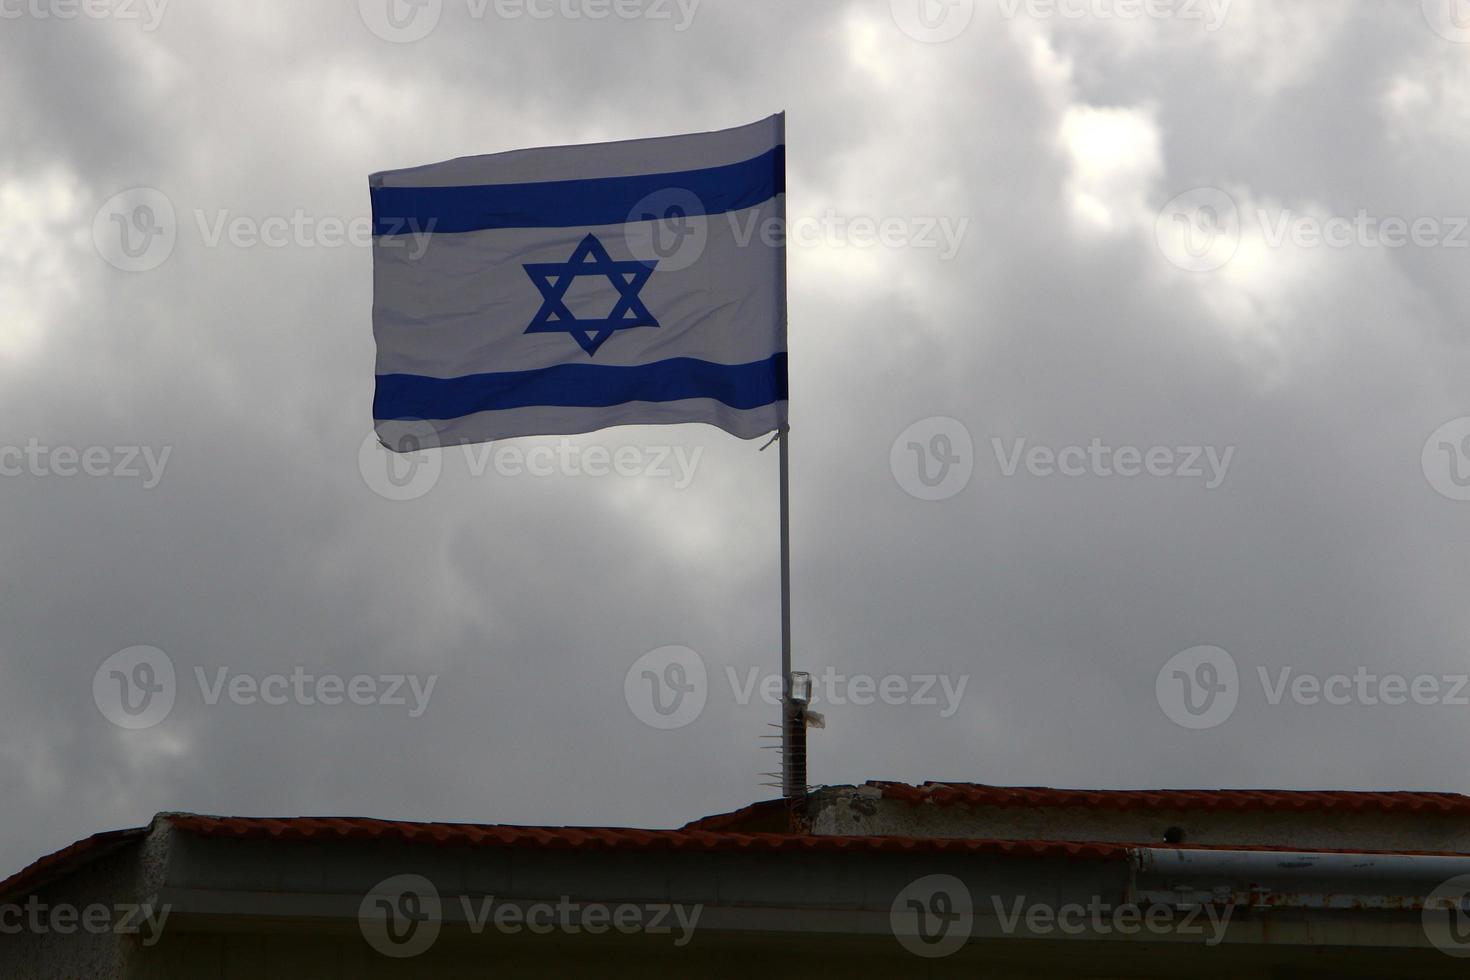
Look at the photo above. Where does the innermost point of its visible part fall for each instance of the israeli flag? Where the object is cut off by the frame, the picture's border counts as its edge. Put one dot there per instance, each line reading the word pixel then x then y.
pixel 566 289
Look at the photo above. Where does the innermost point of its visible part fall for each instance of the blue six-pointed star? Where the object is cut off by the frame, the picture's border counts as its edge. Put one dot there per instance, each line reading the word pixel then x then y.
pixel 590 259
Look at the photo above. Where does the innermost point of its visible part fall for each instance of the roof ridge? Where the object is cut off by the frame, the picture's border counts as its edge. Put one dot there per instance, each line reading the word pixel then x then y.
pixel 983 794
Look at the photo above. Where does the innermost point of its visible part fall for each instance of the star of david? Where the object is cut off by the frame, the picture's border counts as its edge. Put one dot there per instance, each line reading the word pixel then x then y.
pixel 590 259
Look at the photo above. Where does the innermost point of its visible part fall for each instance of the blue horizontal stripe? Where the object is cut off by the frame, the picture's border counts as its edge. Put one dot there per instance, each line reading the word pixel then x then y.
pixel 574 203
pixel 402 397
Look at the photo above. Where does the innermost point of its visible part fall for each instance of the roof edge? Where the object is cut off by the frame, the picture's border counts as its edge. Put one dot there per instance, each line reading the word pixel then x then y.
pixel 73 857
pixel 1314 801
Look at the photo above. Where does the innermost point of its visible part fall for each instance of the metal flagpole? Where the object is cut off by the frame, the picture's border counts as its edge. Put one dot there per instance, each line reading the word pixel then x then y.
pixel 795 688
pixel 793 703
pixel 785 437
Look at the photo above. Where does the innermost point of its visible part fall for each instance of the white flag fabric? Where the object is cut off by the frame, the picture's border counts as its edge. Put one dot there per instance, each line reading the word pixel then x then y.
pixel 565 289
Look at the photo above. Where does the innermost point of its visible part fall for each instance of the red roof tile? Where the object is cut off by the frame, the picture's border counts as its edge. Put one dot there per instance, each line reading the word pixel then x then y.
pixel 748 829
pixel 606 838
pixel 978 794
pixel 69 858
pixel 772 815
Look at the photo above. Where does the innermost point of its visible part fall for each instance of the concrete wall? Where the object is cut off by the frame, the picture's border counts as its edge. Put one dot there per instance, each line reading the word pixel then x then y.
pixel 125 877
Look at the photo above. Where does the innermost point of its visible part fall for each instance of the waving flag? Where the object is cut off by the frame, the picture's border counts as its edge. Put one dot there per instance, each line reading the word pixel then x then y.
pixel 565 289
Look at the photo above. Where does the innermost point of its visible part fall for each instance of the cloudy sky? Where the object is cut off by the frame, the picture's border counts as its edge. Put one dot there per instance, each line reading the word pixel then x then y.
pixel 1117 331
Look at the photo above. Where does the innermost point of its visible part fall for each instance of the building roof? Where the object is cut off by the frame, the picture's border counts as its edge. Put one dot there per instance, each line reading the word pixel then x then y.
pixel 604 838
pixel 69 858
pixel 1338 801
pixel 758 828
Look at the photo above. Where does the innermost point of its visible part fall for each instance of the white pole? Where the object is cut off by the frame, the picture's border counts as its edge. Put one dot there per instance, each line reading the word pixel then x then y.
pixel 793 723
pixel 785 437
